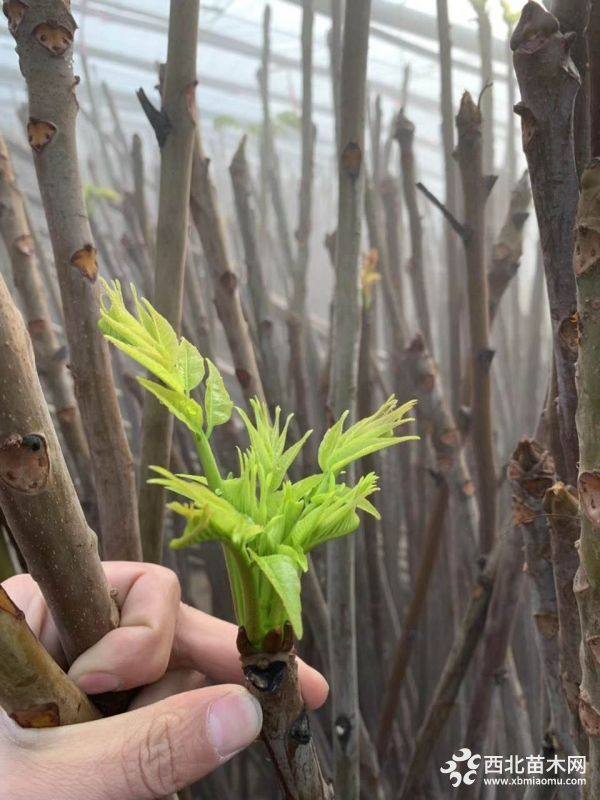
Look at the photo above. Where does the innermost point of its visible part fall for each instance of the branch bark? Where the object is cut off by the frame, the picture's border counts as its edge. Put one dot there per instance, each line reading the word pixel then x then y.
pixel 178 107
pixel 207 219
pixel 34 690
pixel 469 154
pixel 562 507
pixel 344 367
pixel 593 42
pixel 431 546
pixel 587 580
pixel 39 501
pixel 404 133
pixel 549 84
pixel 297 328
pixel 531 473
pixel 573 16
pixel 259 293
pixel 455 278
pixel 272 677
pixel 14 228
pixel 495 645
pixel 508 247
pixel 453 673
pixel 44 36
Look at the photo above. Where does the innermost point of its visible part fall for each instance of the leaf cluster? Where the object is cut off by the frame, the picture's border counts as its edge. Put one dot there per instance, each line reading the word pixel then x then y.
pixel 266 523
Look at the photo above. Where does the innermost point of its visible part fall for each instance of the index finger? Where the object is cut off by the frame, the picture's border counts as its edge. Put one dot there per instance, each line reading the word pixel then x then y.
pixel 138 651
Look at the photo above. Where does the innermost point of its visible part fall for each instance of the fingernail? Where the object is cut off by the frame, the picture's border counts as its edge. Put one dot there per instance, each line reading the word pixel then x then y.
pixel 98 682
pixel 234 722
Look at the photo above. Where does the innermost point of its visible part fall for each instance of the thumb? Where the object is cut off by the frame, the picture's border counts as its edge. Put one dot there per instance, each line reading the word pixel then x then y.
pixel 152 751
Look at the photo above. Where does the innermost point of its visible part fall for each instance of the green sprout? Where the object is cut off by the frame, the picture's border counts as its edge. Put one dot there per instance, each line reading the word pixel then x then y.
pixel 266 523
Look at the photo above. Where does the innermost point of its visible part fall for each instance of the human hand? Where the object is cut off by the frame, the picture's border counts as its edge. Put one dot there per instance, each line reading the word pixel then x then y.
pixel 175 732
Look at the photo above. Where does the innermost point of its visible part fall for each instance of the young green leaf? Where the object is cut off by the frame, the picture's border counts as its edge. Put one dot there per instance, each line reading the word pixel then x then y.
pixel 190 365
pixel 182 407
pixel 282 574
pixel 218 405
pixel 220 518
pixel 268 441
pixel 147 359
pixel 340 448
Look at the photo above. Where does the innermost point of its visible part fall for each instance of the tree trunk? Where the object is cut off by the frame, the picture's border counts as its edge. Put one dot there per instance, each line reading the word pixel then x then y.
pixel 44 36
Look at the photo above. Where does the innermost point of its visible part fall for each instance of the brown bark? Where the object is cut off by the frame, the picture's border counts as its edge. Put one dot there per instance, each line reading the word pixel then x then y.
pixel 431 546
pixel 587 579
pixel 273 679
pixel 14 228
pixel 175 129
pixel 444 434
pixel 297 328
pixel 495 645
pixel 44 36
pixel 404 134
pixel 139 192
pixel 562 507
pixel 39 501
pixel 455 278
pixel 549 84
pixel 373 617
pixel 335 66
pixel 508 247
pixel 259 294
pixel 573 16
pixel 453 673
pixel 593 42
pixel 392 209
pixel 207 219
pixel 476 189
pixel 531 473
pixel 344 366
pixel 34 690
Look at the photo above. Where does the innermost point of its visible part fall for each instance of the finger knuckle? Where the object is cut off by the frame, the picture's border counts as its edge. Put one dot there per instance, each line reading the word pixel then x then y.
pixel 170 582
pixel 151 764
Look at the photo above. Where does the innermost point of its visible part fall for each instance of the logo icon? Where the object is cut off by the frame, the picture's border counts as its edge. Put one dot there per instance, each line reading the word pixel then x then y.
pixel 451 768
